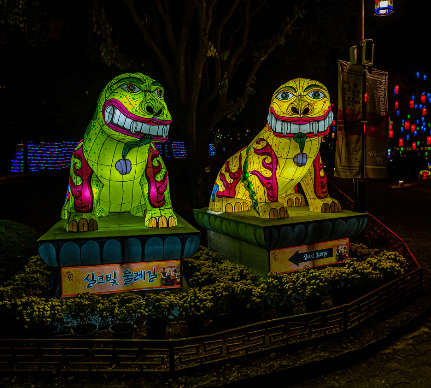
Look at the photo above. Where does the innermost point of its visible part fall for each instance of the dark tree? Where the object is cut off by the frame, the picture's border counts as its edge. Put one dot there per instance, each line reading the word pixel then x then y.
pixel 206 53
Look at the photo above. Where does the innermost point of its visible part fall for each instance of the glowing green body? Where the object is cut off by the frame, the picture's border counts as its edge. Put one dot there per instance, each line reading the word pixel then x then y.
pixel 116 168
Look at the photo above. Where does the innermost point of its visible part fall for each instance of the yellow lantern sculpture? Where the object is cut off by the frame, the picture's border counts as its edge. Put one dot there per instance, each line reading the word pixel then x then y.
pixel 264 175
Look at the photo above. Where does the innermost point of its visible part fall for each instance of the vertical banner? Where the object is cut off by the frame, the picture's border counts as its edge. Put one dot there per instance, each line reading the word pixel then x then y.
pixel 348 153
pixel 377 134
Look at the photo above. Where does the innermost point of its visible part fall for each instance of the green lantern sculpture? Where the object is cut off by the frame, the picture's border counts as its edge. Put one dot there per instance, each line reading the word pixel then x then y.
pixel 116 167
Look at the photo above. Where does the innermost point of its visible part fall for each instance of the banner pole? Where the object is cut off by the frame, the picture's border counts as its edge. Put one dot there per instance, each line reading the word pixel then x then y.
pixel 359 183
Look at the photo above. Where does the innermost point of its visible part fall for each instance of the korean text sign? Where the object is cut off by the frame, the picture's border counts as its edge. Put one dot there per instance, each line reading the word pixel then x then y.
pixel 112 278
pixel 294 258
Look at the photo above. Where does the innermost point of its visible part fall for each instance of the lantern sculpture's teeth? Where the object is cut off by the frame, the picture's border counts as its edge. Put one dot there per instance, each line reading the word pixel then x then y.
pixel 286 128
pixel 114 118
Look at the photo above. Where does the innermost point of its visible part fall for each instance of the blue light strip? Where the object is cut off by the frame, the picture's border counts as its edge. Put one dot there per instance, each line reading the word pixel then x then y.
pixel 52 156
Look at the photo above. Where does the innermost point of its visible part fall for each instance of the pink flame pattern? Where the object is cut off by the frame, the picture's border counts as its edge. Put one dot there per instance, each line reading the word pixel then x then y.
pixel 229 190
pixel 156 190
pixel 269 183
pixel 320 182
pixel 82 193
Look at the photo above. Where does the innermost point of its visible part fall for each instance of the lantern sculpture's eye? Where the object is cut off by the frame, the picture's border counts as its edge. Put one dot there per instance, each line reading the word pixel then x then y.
pixel 130 88
pixel 316 95
pixel 158 92
pixel 284 96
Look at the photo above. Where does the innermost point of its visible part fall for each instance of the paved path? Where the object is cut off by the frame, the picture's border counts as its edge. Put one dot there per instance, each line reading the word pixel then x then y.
pixel 406 363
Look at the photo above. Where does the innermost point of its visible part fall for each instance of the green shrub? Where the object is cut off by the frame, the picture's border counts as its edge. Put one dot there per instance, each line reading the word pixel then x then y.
pixel 32 280
pixel 280 290
pixel 84 308
pixel 361 251
pixel 18 242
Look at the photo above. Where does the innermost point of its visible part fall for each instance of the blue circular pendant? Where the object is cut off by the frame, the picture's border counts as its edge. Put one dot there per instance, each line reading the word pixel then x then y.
pixel 123 166
pixel 300 159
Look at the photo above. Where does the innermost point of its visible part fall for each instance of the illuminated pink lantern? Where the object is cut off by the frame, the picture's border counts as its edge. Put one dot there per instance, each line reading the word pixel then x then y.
pixel 400 141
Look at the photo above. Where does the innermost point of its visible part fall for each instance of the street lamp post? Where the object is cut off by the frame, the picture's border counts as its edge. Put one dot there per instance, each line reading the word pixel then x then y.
pixel 381 8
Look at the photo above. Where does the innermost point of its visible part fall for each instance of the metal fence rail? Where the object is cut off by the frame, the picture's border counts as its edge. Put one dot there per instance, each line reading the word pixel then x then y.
pixel 33 355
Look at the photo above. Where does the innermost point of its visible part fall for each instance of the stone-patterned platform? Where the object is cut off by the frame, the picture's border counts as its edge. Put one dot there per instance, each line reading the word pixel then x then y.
pixel 121 238
pixel 302 227
pixel 245 239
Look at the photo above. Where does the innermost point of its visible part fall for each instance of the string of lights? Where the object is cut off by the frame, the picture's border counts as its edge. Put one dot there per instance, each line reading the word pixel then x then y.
pixel 57 155
pixel 410 124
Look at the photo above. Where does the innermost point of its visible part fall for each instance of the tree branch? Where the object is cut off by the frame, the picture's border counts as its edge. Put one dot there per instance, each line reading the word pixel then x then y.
pixel 227 17
pixel 224 110
pixel 261 4
pixel 164 63
pixel 116 57
pixel 167 23
pixel 180 54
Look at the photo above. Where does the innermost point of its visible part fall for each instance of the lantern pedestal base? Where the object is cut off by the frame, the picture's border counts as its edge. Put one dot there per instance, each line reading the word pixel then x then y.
pixel 121 238
pixel 281 245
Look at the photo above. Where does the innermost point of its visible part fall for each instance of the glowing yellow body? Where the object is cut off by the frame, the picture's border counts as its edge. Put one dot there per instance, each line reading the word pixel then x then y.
pixel 264 175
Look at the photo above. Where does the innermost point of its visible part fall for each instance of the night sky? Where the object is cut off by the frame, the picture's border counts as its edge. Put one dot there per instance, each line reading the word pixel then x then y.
pixel 55 87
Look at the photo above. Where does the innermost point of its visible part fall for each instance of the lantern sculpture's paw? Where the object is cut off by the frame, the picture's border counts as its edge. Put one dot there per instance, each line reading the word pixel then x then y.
pixel 160 218
pixel 325 205
pixel 236 205
pixel 294 200
pixel 272 210
pixel 82 222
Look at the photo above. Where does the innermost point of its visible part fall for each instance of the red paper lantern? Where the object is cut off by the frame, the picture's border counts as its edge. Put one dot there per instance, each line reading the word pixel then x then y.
pixel 424 111
pixel 414 145
pixel 396 104
pixel 407 124
pixel 413 127
pixel 429 140
pixel 390 126
pixel 423 98
pixel 391 133
pixel 396 89
pixel 412 104
pixel 400 142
